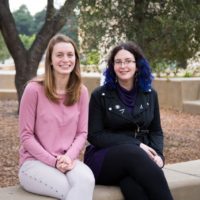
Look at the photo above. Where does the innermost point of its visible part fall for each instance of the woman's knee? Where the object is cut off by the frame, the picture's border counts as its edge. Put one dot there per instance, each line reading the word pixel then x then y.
pixel 37 178
pixel 81 174
pixel 127 152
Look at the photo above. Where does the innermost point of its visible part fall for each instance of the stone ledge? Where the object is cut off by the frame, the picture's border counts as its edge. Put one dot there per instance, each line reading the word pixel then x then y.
pixel 191 106
pixel 8 94
pixel 183 179
pixel 17 193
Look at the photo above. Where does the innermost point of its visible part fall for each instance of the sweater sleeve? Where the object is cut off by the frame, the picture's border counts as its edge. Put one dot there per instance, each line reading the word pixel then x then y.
pixel 82 127
pixel 27 117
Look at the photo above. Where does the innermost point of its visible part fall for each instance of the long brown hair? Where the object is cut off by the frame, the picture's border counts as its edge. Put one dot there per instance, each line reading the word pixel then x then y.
pixel 74 84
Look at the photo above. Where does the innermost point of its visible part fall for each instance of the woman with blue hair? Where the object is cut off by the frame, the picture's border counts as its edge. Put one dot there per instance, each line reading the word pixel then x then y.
pixel 125 134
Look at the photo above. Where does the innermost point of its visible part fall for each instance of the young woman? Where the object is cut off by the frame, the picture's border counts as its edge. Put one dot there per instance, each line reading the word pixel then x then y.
pixel 124 128
pixel 53 122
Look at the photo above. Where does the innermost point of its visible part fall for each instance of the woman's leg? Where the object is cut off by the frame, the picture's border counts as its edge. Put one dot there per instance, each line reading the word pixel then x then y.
pixel 128 184
pixel 126 160
pixel 39 178
pixel 81 181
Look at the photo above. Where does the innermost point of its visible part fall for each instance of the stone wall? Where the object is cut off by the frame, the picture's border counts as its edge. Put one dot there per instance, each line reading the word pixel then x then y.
pixel 172 92
pixel 175 91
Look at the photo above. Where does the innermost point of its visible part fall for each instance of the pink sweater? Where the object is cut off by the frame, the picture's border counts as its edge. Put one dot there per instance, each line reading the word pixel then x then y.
pixel 48 129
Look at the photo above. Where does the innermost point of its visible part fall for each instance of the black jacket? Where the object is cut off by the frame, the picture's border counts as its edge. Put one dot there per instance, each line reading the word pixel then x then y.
pixel 110 123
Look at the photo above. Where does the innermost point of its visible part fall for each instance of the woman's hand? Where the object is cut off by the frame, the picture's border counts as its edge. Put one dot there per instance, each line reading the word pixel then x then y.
pixel 158 160
pixel 64 163
pixel 152 154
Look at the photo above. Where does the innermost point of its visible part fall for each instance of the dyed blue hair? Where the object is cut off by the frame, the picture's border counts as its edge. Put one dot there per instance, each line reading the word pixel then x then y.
pixel 143 77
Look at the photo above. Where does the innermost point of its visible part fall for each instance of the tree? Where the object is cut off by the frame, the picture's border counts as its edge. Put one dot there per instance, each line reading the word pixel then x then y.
pixel 24 20
pixel 27 40
pixel 39 19
pixel 167 30
pixel 4 54
pixel 27 61
pixel 28 25
pixel 70 28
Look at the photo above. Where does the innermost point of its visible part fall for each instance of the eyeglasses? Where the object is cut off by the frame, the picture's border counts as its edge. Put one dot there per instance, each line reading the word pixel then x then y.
pixel 126 62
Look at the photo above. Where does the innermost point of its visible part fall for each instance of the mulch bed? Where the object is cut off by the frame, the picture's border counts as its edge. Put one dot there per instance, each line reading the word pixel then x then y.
pixel 182 139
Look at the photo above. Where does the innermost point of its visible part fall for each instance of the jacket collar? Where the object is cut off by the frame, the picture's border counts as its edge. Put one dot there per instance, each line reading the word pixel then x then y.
pixel 142 103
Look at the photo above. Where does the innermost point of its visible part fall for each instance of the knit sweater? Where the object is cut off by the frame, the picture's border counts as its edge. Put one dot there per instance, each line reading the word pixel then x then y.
pixel 48 129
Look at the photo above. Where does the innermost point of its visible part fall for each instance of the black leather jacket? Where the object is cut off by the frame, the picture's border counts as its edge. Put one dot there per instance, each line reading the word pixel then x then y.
pixel 110 122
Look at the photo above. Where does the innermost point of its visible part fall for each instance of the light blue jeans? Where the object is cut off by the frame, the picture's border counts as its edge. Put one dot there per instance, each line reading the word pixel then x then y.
pixel 39 178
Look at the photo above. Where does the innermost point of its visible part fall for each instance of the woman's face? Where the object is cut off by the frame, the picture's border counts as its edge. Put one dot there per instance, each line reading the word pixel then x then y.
pixel 124 66
pixel 63 58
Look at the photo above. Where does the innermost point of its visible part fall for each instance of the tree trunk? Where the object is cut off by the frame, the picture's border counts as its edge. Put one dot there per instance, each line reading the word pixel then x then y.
pixel 182 64
pixel 27 61
pixel 139 17
pixel 26 71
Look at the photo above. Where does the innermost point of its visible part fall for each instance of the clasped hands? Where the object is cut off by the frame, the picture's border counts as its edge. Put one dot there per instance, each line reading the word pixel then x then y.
pixel 152 154
pixel 64 163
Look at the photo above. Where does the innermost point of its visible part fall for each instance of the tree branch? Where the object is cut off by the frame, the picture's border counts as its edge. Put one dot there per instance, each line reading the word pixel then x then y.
pixel 52 26
pixel 9 31
pixel 50 10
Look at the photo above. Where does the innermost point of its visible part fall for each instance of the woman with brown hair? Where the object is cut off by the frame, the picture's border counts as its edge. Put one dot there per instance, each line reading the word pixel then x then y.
pixel 53 122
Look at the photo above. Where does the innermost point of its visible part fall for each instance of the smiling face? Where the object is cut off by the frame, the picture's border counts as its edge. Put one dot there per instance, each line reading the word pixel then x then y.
pixel 125 67
pixel 63 58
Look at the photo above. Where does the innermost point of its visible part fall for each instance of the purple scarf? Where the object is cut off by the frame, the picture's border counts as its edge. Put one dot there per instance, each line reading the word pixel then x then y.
pixel 128 97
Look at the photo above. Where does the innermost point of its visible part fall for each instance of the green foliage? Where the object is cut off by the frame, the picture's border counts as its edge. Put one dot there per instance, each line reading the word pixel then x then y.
pixel 39 19
pixel 166 30
pixel 158 69
pixel 30 25
pixel 4 54
pixel 92 58
pixel 187 74
pixel 163 67
pixel 71 28
pixel 27 40
pixel 26 23
pixel 24 20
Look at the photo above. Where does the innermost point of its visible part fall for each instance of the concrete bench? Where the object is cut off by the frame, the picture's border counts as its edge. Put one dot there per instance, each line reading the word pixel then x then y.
pixel 183 179
pixel 8 94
